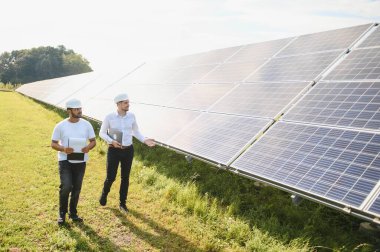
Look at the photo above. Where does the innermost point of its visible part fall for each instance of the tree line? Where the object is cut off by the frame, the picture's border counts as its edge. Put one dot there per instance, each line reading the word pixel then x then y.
pixel 29 65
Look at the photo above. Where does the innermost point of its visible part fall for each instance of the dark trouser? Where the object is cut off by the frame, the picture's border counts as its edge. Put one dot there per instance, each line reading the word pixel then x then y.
pixel 114 157
pixel 71 176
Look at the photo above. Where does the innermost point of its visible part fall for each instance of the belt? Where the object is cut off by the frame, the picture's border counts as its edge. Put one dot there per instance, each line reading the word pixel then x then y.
pixel 122 147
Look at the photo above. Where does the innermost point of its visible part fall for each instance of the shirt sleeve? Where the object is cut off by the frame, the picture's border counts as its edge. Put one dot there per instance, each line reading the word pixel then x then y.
pixel 103 131
pixel 91 132
pixel 56 136
pixel 136 132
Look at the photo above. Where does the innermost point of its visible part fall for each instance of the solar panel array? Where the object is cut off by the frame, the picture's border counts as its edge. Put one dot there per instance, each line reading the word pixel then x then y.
pixel 300 113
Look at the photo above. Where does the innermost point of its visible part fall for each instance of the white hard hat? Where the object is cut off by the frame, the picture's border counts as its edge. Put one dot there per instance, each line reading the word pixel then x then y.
pixel 121 97
pixel 73 103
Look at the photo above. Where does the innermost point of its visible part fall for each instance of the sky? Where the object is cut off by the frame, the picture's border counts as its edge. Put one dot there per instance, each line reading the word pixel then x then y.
pixel 121 34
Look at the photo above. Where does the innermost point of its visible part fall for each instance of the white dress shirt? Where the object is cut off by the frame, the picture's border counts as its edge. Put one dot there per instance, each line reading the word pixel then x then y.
pixel 126 124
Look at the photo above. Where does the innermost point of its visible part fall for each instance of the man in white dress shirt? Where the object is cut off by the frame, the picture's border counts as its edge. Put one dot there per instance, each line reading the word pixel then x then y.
pixel 124 123
pixel 72 165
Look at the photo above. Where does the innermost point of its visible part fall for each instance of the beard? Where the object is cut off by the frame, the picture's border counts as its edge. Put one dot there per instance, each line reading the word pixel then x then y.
pixel 79 115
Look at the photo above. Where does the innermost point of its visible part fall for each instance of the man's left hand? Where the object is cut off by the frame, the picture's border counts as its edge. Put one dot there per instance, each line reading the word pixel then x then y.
pixel 150 142
pixel 85 149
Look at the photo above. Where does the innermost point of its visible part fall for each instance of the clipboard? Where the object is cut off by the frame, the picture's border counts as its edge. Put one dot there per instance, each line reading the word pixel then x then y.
pixel 77 144
pixel 116 135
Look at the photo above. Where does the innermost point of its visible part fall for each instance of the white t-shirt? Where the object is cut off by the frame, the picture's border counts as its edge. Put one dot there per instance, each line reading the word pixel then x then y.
pixel 66 129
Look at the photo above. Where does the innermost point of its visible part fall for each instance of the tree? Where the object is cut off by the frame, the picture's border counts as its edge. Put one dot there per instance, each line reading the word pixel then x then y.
pixel 28 65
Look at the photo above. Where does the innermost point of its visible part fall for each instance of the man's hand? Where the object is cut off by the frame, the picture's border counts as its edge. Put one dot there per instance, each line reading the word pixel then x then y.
pixel 116 144
pixel 68 150
pixel 85 149
pixel 150 142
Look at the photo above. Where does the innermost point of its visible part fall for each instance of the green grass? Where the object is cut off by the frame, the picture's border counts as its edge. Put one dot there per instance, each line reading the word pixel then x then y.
pixel 174 206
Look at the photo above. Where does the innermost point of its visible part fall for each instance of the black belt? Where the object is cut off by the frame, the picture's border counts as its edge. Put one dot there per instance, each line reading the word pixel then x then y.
pixel 123 147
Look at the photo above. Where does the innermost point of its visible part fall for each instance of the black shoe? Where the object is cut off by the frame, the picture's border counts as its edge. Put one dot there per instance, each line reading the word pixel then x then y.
pixel 103 199
pixel 61 219
pixel 75 218
pixel 123 209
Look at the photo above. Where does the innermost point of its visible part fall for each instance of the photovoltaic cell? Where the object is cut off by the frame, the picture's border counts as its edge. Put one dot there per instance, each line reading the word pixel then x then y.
pixel 325 41
pixel 294 68
pixel 372 40
pixel 200 97
pixel 232 72
pixel 259 99
pixel 218 137
pixel 350 104
pixel 360 64
pixel 336 164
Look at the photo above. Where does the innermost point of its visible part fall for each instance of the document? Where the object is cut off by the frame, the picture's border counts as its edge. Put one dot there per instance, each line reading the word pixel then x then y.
pixel 77 144
pixel 116 135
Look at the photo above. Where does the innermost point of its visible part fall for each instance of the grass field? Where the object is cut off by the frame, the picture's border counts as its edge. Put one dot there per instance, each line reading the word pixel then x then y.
pixel 174 206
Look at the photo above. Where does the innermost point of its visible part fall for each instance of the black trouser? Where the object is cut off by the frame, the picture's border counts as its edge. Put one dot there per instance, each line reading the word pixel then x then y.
pixel 114 157
pixel 71 176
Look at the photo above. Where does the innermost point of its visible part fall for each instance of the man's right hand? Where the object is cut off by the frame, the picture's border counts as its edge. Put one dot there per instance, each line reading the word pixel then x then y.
pixel 116 144
pixel 68 150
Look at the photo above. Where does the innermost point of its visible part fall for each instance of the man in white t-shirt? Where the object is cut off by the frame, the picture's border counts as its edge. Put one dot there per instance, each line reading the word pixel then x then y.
pixel 120 148
pixel 73 138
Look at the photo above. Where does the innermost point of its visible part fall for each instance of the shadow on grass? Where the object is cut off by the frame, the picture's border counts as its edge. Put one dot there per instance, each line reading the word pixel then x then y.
pixel 164 239
pixel 83 244
pixel 266 208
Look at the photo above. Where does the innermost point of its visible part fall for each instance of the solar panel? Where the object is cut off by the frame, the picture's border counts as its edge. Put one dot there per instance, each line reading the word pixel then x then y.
pixel 336 164
pixel 151 73
pixel 263 50
pixel 98 108
pixel 96 86
pixel 232 72
pixel 360 64
pixel 325 41
pixel 167 121
pixel 70 86
pixel 372 40
pixel 294 68
pixel 190 74
pixel 375 206
pixel 143 93
pixel 218 137
pixel 41 89
pixel 200 97
pixel 350 104
pixel 216 56
pixel 259 99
